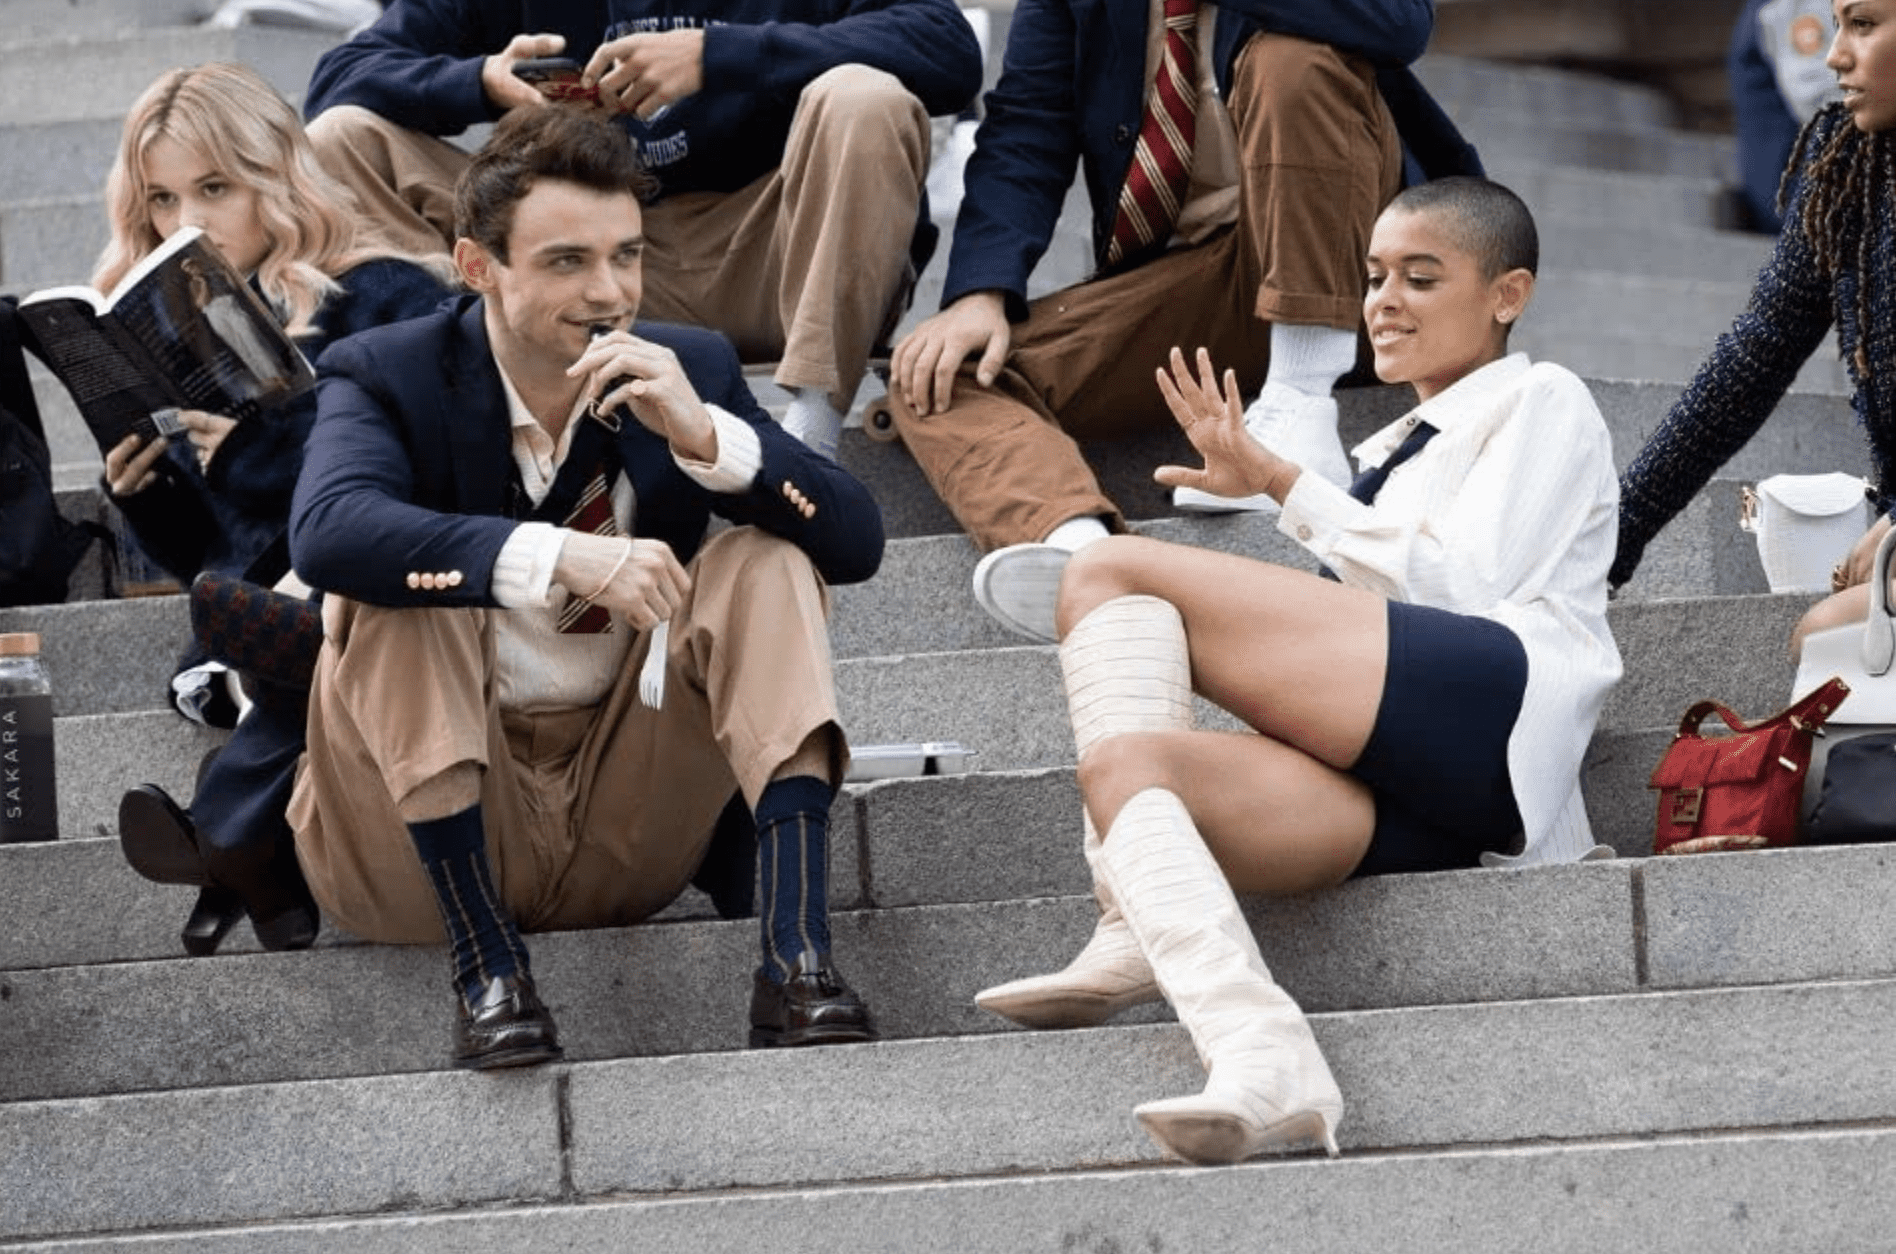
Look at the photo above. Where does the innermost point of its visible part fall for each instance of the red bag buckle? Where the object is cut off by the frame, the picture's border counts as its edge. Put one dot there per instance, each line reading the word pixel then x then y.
pixel 1685 805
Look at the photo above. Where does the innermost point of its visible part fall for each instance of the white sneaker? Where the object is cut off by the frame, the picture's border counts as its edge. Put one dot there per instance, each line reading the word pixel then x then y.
pixel 1295 426
pixel 1020 585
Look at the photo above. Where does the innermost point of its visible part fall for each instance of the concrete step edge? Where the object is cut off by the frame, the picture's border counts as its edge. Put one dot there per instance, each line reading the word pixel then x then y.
pixel 1793 1058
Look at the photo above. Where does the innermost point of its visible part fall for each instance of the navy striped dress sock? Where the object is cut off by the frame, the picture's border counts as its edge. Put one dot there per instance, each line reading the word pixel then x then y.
pixel 793 870
pixel 484 942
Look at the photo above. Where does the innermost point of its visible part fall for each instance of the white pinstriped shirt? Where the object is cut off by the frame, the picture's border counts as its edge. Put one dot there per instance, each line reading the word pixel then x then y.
pixel 1510 513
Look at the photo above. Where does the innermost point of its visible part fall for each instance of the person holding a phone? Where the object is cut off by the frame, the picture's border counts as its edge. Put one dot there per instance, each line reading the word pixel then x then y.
pixel 789 140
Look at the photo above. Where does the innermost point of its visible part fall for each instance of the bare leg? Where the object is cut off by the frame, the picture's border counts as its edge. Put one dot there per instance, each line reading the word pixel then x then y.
pixel 1852 605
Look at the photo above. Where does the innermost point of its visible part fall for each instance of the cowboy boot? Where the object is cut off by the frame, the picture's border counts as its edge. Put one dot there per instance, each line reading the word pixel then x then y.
pixel 1269 1084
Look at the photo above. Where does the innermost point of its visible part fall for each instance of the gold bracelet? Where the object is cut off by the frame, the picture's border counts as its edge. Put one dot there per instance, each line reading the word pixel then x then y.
pixel 611 574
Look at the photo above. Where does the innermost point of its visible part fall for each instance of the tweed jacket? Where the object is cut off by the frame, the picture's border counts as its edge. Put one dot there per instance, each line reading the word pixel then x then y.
pixel 1752 365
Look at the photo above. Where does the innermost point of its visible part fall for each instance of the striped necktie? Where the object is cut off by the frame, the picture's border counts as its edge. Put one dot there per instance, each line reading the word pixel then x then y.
pixel 1162 158
pixel 591 513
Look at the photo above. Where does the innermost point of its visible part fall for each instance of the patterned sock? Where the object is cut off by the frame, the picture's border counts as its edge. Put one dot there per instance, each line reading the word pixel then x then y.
pixel 793 867
pixel 483 938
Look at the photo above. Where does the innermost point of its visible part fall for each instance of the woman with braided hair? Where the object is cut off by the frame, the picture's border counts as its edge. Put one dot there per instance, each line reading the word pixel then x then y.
pixel 1835 263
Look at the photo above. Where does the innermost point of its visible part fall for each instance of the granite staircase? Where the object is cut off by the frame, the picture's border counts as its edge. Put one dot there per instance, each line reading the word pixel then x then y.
pixel 1651 1054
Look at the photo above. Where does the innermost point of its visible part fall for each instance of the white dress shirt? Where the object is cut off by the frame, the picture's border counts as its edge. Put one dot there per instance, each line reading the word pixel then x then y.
pixel 1510 514
pixel 540 667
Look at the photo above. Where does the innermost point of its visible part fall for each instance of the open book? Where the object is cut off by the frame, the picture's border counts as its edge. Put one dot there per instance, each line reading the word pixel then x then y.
pixel 182 330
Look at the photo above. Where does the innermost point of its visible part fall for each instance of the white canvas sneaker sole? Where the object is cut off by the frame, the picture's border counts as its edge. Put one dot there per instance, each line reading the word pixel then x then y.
pixel 1020 585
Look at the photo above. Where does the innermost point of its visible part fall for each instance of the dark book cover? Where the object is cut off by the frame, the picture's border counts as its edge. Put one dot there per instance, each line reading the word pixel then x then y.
pixel 182 330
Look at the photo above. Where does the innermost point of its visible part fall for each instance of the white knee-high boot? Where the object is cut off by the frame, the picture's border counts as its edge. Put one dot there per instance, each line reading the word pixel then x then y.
pixel 1268 1082
pixel 1127 669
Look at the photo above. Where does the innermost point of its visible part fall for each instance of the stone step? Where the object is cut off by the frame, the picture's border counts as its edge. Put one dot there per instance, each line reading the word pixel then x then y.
pixel 1460 83
pixel 1753 1192
pixel 682 987
pixel 1555 191
pixel 1580 303
pixel 1505 134
pixel 118 67
pixel 1796 1058
pixel 1607 349
pixel 1811 431
pixel 879 635
pixel 1652 250
pixel 38 19
pixel 928 563
pixel 1005 704
pixel 65 158
pixel 918 603
pixel 897 842
pixel 903 887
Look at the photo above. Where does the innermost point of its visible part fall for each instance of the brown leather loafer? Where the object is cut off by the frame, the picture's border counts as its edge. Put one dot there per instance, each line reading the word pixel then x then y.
pixel 507 1027
pixel 813 1007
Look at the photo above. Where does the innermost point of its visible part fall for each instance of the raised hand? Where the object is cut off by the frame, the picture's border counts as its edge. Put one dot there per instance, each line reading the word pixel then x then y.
pixel 1212 416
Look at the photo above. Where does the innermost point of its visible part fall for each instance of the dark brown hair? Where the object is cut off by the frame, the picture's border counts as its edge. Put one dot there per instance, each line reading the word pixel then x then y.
pixel 1845 181
pixel 530 144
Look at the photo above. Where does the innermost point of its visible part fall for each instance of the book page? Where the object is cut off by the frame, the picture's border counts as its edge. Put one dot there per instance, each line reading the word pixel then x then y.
pixel 208 331
pixel 114 393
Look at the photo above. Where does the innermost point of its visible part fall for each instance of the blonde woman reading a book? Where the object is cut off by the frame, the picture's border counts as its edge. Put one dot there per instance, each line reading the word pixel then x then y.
pixel 215 147
pixel 1425 709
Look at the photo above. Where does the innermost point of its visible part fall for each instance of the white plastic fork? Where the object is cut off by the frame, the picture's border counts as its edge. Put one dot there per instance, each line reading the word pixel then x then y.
pixel 652 674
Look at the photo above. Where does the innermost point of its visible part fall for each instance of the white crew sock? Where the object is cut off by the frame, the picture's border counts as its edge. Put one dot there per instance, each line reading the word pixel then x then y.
pixel 1076 533
pixel 1310 358
pixel 812 419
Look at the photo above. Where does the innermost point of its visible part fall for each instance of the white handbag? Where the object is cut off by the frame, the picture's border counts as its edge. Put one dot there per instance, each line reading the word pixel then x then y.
pixel 1864 656
pixel 1805 525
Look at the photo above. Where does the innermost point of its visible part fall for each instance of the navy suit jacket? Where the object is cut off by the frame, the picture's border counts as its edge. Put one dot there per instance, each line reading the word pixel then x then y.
pixel 410 468
pixel 1072 90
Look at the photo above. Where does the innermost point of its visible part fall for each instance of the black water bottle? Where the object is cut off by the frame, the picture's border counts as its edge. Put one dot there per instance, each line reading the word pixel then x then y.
pixel 29 804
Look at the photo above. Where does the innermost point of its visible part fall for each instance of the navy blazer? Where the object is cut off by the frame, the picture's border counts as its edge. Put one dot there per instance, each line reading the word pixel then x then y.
pixel 420 66
pixel 1072 89
pixel 410 468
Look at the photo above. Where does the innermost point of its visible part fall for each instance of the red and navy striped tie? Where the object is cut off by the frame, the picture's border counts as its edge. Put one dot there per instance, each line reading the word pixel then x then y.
pixel 1162 158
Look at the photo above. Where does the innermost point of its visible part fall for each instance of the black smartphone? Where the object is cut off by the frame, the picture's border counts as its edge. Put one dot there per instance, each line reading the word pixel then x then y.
pixel 556 77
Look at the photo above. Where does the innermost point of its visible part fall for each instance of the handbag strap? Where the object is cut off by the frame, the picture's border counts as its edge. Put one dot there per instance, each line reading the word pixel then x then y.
pixel 1810 713
pixel 1815 710
pixel 1879 628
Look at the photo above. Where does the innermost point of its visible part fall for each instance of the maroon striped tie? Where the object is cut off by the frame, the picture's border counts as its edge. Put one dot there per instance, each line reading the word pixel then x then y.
pixel 1162 158
pixel 592 513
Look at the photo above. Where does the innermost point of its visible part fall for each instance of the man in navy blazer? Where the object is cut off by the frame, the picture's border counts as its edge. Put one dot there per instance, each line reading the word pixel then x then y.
pixel 1306 120
pixel 484 490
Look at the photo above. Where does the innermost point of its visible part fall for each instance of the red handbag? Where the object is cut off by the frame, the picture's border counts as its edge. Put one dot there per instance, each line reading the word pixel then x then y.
pixel 1739 791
